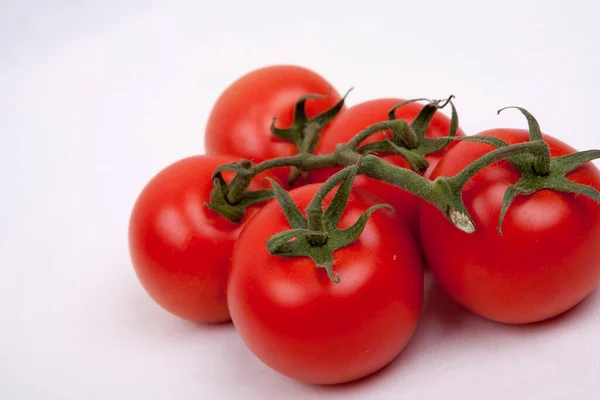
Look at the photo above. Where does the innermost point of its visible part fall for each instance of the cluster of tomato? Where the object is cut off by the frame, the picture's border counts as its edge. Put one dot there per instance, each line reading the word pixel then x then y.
pixel 201 266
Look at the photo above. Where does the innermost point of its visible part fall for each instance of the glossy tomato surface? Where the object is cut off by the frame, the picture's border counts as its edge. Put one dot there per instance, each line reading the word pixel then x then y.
pixel 239 123
pixel 303 325
pixel 546 261
pixel 180 249
pixel 359 117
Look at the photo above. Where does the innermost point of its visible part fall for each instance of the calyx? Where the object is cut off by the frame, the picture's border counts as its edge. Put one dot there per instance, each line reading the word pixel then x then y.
pixel 409 141
pixel 304 132
pixel 317 236
pixel 539 170
pixel 545 172
pixel 222 194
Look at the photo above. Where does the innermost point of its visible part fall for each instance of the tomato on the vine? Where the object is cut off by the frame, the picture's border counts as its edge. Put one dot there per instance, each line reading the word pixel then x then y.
pixel 548 257
pixel 359 117
pixel 239 123
pixel 180 249
pixel 303 325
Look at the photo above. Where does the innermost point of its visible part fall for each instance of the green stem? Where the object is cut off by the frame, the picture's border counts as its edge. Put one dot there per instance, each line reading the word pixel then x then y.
pixel 399 126
pixel 537 148
pixel 304 162
pixel 377 168
pixel 311 132
pixel 444 193
pixel 238 187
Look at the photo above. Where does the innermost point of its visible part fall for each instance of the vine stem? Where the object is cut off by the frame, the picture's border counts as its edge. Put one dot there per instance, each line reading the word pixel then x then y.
pixel 444 193
pixel 305 161
pixel 302 161
pixel 399 125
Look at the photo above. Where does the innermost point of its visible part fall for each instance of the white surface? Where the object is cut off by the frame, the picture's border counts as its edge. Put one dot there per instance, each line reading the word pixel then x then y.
pixel 96 97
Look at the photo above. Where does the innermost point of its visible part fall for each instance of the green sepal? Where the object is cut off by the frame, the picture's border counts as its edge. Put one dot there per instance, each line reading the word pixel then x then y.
pixel 570 162
pixel 239 167
pixel 220 196
pixel 292 213
pixel 333 212
pixel 535 133
pixel 305 132
pixel 348 236
pixel 511 193
pixel 453 120
pixel 541 171
pixel 568 186
pixel 423 119
pixel 294 133
pixel 392 112
pixel 219 203
pixel 540 163
pixel 530 182
pixel 491 140
pixel 281 244
pixel 234 212
pixel 421 122
pixel 319 245
pixel 409 140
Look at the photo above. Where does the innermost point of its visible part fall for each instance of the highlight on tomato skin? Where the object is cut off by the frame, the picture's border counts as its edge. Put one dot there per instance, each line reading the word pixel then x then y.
pixel 300 323
pixel 547 259
pixel 240 121
pixel 179 248
pixel 360 116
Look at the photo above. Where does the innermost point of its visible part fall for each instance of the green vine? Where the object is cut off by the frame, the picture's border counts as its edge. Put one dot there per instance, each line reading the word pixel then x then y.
pixel 317 235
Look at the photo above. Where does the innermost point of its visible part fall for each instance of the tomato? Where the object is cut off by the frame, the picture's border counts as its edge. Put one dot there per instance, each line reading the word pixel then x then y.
pixel 300 323
pixel 547 259
pixel 359 117
pixel 180 249
pixel 239 123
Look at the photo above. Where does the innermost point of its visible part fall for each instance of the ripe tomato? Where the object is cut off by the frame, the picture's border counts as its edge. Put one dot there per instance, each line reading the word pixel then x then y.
pixel 239 123
pixel 180 249
pixel 359 117
pixel 547 259
pixel 300 323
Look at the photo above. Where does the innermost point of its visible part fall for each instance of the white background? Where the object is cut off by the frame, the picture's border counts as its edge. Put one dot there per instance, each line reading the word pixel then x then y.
pixel 96 97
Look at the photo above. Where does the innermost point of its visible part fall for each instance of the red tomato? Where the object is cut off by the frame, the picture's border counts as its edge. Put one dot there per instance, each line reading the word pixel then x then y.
pixel 359 117
pixel 239 123
pixel 546 261
pixel 179 247
pixel 300 323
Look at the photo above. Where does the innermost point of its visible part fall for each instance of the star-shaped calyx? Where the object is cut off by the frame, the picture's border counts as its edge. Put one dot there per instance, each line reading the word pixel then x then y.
pixel 317 234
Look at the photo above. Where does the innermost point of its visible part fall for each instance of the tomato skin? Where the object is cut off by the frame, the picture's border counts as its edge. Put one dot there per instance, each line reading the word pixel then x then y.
pixel 308 328
pixel 359 117
pixel 547 259
pixel 180 249
pixel 239 123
